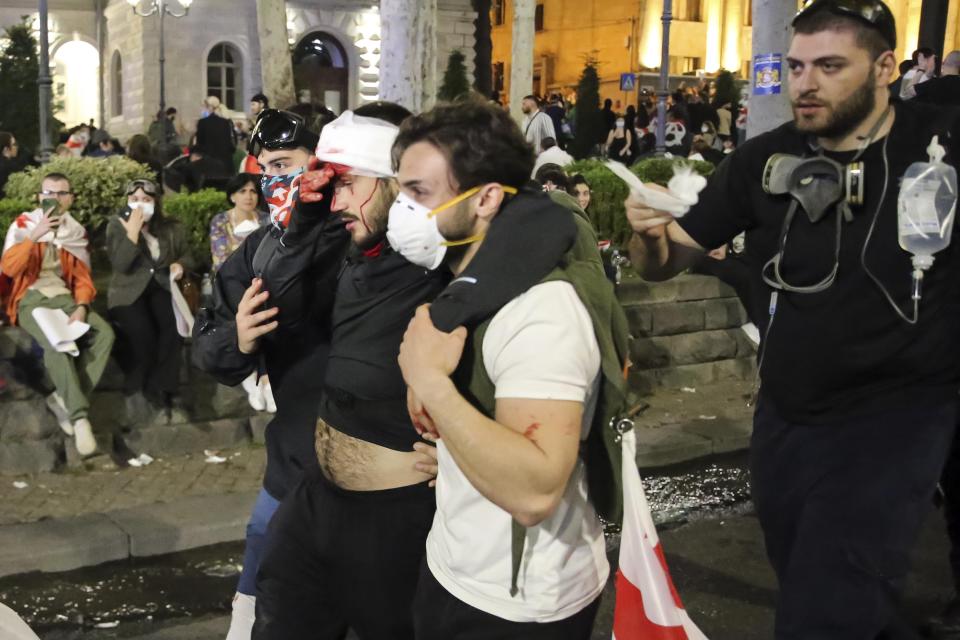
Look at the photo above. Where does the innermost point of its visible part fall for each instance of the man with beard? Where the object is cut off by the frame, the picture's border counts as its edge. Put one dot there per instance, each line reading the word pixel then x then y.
pixel 858 399
pixel 345 548
pixel 516 549
pixel 271 314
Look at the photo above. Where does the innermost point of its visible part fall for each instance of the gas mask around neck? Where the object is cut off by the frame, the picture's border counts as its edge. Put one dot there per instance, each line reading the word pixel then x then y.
pixel 817 184
pixel 820 185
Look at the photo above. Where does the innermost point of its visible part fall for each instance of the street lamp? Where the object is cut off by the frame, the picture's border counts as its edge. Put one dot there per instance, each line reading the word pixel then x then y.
pixel 162 8
pixel 664 78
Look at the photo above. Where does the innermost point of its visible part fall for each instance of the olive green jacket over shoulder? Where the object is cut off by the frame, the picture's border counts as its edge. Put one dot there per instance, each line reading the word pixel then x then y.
pixel 133 267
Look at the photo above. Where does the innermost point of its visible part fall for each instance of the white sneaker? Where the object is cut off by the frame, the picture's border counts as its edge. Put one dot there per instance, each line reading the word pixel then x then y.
pixel 83 432
pixel 59 410
pixel 254 393
pixel 266 392
pixel 242 618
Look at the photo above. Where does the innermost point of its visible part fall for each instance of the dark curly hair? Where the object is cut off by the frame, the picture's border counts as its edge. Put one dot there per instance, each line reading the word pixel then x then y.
pixel 479 139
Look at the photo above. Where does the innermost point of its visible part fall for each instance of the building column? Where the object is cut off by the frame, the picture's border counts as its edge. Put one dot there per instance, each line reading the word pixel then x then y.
pixel 521 55
pixel 952 37
pixel 276 65
pixel 714 19
pixel 652 32
pixel 767 112
pixel 732 27
pixel 408 61
pixel 933 26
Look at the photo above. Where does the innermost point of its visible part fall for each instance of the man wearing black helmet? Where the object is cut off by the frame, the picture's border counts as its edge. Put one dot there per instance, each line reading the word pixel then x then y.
pixel 859 372
pixel 271 313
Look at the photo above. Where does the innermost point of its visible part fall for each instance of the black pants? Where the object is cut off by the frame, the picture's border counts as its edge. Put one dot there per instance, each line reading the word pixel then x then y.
pixel 950 481
pixel 441 616
pixel 336 559
pixel 150 352
pixel 841 507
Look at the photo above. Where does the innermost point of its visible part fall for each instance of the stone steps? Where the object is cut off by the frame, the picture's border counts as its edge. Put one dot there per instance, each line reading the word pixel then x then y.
pixel 685 332
pixel 215 416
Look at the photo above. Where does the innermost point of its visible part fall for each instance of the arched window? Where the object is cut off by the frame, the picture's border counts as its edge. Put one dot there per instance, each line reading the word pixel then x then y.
pixel 116 84
pixel 223 75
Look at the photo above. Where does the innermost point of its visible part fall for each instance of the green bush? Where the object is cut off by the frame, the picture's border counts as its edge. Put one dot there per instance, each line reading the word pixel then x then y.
pixel 455 83
pixel 98 183
pixel 608 191
pixel 10 208
pixel 194 211
pixel 588 124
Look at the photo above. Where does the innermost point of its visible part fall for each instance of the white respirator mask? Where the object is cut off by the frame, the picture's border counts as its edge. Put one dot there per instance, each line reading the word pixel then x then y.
pixel 146 209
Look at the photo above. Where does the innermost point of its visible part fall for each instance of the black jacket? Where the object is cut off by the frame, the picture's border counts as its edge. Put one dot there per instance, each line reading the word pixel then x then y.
pixel 215 138
pixel 944 90
pixel 301 278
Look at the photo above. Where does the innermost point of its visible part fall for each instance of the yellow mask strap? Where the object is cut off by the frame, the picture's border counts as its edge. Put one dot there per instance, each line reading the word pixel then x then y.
pixel 463 196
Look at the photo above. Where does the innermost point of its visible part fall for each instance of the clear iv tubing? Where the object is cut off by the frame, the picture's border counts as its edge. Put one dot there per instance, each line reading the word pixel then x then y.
pixel 917 273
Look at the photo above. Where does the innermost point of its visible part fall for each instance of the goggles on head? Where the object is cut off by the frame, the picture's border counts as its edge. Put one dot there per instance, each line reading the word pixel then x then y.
pixel 277 129
pixel 149 187
pixel 874 13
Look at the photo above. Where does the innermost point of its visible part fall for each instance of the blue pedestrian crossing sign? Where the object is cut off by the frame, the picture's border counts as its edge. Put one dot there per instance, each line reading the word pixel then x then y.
pixel 628 81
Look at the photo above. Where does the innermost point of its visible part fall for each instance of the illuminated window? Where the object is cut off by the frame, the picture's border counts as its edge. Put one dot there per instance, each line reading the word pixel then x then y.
pixel 498 73
pixel 223 75
pixel 689 10
pixel 680 65
pixel 498 9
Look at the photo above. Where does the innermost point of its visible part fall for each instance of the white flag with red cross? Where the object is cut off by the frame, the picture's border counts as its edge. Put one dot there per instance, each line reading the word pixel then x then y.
pixel 648 606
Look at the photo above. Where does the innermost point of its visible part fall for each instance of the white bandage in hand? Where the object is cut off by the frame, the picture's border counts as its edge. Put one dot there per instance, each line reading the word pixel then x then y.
pixel 684 188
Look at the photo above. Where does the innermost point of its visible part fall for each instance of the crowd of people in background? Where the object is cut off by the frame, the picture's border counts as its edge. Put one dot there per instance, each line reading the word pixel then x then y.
pixel 314 297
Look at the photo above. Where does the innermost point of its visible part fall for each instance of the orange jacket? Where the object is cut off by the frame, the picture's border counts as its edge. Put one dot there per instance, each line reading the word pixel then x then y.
pixel 22 263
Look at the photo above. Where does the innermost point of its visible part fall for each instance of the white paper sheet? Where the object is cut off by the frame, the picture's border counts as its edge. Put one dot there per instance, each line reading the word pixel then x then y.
pixel 180 310
pixel 59 331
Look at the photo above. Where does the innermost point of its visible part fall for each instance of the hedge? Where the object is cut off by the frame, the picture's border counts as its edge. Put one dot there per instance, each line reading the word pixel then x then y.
pixel 609 192
pixel 194 211
pixel 98 183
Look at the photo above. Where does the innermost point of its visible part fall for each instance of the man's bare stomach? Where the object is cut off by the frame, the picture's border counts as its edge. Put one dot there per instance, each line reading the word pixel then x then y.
pixel 358 465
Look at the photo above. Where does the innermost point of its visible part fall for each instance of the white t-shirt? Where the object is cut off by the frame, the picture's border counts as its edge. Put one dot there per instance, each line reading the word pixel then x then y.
pixel 553 155
pixel 536 128
pixel 539 346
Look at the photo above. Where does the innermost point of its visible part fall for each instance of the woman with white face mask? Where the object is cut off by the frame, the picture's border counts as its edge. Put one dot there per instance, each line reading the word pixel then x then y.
pixel 619 142
pixel 228 229
pixel 146 249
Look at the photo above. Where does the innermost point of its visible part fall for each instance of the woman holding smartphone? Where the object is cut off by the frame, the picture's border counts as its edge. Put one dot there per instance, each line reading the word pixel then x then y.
pixel 145 250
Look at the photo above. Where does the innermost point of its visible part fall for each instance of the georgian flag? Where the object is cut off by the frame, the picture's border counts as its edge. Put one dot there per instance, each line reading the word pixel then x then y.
pixel 648 606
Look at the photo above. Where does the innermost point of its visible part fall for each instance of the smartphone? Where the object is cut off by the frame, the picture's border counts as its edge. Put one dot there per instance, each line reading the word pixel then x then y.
pixel 50 206
pixel 125 212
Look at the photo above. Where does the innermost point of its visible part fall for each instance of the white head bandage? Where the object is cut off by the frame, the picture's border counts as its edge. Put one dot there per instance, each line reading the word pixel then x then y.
pixel 363 144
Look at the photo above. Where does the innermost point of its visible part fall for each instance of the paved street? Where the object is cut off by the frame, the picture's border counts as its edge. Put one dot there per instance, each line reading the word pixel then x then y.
pixel 103 487
pixel 718 566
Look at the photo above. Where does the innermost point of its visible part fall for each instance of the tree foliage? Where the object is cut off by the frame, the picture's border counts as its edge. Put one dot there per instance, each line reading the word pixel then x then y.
pixel 728 89
pixel 588 129
pixel 19 68
pixel 455 82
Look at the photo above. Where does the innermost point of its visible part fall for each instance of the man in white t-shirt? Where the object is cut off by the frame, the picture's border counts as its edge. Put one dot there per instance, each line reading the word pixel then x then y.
pixel 537 124
pixel 551 154
pixel 518 463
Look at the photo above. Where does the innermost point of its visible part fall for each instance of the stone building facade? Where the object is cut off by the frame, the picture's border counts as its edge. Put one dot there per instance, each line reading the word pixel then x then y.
pixel 109 69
